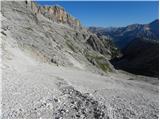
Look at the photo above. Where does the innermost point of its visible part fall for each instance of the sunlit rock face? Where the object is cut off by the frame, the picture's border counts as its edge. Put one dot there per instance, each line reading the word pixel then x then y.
pixel 55 13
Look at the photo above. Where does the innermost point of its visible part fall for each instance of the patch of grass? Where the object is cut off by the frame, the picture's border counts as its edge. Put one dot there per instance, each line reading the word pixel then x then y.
pixel 94 56
pixel 101 61
pixel 66 37
pixel 104 67
pixel 28 28
pixel 115 52
pixel 71 46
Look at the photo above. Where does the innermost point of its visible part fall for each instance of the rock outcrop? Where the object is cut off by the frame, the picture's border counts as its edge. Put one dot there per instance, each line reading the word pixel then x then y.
pixel 103 45
pixel 55 13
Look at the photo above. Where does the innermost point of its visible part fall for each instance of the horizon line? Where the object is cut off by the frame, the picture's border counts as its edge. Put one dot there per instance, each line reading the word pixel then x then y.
pixel 123 25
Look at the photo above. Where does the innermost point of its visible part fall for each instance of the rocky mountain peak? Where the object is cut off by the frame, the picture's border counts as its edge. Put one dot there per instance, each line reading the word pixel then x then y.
pixel 55 13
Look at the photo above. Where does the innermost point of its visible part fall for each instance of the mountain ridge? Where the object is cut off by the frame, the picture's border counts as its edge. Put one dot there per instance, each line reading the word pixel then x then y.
pixel 55 13
pixel 57 43
pixel 133 41
pixel 123 35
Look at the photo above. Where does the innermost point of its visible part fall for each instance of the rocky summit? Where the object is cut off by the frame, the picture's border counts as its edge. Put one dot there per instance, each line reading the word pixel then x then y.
pixel 55 13
pixel 53 67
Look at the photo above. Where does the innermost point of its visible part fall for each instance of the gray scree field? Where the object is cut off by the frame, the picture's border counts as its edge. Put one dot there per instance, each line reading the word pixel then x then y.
pixel 46 73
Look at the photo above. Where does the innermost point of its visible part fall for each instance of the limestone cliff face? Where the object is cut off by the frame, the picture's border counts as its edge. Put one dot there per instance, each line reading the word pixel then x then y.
pixel 55 13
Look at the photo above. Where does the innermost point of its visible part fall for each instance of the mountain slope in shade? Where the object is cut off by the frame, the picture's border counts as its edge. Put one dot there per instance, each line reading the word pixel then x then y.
pixel 141 56
pixel 139 45
pixel 123 35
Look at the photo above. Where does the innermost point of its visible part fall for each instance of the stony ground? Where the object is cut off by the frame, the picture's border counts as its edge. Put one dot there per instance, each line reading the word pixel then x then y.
pixel 37 90
pixel 33 88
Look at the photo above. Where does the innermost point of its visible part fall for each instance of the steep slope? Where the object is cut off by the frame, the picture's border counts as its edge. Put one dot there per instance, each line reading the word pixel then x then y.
pixel 123 35
pixel 49 41
pixel 105 46
pixel 48 72
pixel 141 56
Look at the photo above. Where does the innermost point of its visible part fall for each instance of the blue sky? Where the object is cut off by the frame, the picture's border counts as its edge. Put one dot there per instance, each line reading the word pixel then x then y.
pixel 109 13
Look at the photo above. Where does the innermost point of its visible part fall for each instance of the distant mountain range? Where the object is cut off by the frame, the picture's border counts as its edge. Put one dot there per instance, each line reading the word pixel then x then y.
pixel 139 44
pixel 123 35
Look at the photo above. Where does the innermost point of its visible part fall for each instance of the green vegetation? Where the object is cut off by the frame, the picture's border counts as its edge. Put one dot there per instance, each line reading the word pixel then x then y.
pixel 71 46
pixel 99 61
pixel 65 36
pixel 28 28
pixel 93 56
pixel 115 52
pixel 104 67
